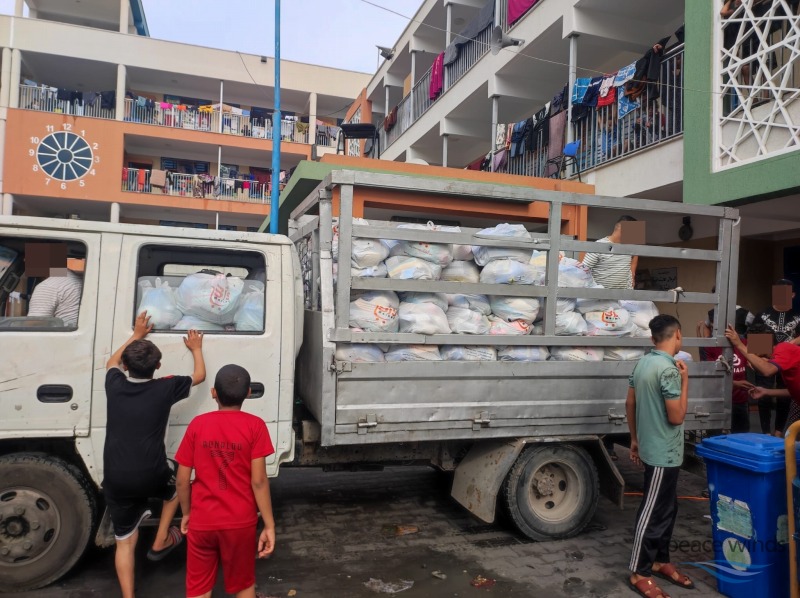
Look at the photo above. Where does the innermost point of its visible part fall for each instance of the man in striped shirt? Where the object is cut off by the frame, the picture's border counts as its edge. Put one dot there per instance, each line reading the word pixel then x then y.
pixel 59 296
pixel 612 270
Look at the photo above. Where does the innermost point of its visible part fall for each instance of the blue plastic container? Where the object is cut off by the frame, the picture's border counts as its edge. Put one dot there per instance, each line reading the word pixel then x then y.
pixel 747 494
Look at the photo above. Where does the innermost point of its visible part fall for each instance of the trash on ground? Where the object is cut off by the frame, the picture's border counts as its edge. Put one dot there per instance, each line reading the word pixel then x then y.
pixel 439 575
pixel 400 530
pixel 292 593
pixel 384 587
pixel 482 582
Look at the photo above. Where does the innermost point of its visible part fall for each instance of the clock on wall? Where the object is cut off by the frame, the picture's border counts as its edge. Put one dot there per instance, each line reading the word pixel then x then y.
pixel 64 156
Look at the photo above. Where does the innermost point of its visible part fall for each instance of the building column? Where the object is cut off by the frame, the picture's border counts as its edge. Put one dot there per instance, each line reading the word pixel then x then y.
pixel 19 6
pixel 8 204
pixel 16 76
pixel 495 118
pixel 5 78
pixel 448 34
pixel 573 74
pixel 122 84
pixel 114 214
pixel 124 15
pixel 413 82
pixel 312 118
pixel 386 107
pixel 444 148
pixel 498 5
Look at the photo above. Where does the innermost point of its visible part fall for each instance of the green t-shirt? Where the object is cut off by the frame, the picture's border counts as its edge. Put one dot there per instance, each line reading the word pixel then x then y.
pixel 656 379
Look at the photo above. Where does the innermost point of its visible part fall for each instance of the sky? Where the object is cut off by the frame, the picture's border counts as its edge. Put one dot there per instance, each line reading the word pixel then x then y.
pixel 334 33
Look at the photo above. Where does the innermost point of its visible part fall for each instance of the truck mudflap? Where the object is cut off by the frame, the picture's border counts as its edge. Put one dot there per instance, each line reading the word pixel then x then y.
pixel 480 474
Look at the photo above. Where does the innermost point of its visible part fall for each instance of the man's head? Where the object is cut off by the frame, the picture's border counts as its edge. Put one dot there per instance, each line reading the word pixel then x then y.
pixel 617 232
pixel 760 328
pixel 231 386
pixel 783 295
pixel 666 331
pixel 141 359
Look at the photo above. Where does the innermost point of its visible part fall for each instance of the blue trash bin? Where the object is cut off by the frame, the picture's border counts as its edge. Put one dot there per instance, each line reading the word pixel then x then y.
pixel 747 495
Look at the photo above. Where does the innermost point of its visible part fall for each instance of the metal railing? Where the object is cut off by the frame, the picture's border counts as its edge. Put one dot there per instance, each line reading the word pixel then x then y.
pixel 170 115
pixel 327 135
pixel 45 99
pixel 137 180
pixel 421 95
pixel 404 121
pixel 468 55
pixel 529 163
pixel 605 136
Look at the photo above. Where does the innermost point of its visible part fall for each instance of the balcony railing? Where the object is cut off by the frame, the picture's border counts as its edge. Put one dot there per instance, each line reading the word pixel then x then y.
pixel 469 54
pixel 421 95
pixel 137 180
pixel 45 99
pixel 529 163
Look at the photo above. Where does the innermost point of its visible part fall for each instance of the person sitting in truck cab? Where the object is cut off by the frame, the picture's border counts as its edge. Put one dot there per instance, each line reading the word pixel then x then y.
pixel 60 296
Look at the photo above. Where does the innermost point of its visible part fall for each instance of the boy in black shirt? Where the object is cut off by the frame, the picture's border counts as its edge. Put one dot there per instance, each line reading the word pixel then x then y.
pixel 135 460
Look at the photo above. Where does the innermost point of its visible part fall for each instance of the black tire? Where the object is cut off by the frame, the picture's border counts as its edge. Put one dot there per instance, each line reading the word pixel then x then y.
pixel 551 491
pixel 47 513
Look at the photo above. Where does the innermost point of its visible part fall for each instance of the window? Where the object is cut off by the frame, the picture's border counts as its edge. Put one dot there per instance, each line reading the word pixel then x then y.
pixel 41 284
pixel 213 290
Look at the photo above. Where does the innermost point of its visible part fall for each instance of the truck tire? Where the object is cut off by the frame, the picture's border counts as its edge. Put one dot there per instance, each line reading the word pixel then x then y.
pixel 551 491
pixel 47 512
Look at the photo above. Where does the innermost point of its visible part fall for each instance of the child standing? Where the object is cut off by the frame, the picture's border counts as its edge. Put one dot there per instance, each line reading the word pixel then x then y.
pixel 227 449
pixel 134 458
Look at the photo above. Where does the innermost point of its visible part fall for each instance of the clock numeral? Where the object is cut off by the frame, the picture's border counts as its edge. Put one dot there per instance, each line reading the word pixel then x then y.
pixel 63 185
pixel 35 168
pixel 97 159
pixel 50 128
pixel 34 140
pixel 96 146
pixel 67 126
pixel 82 183
pixel 47 181
pixel 92 172
pixel 31 152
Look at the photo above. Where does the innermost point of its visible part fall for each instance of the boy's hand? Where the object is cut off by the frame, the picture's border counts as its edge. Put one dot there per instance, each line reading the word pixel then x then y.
pixel 266 542
pixel 733 337
pixel 684 371
pixel 758 392
pixel 634 452
pixel 193 340
pixel 185 524
pixel 142 326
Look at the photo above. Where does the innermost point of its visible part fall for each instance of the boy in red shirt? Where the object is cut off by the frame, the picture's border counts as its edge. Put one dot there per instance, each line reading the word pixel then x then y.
pixel 227 450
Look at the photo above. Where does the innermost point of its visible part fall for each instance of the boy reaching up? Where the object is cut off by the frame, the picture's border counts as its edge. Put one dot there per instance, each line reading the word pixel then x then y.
pixel 134 458
pixel 227 449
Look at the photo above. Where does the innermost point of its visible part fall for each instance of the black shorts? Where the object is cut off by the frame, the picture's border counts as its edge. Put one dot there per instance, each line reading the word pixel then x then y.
pixel 128 501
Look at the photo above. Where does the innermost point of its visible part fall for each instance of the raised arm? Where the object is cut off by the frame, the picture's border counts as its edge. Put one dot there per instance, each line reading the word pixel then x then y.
pixel 761 365
pixel 260 484
pixel 141 328
pixel 676 409
pixel 194 342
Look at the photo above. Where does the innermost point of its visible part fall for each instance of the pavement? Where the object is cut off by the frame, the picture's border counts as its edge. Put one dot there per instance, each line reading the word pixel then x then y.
pixel 336 531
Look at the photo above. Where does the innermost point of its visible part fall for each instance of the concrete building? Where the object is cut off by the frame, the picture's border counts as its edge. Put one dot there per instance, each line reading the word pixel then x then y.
pixel 717 122
pixel 99 121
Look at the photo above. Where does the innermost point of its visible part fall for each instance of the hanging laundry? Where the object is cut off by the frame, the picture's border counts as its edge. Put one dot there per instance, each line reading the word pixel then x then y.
pixel 607 93
pixel 391 120
pixel 500 158
pixel 158 178
pixel 509 131
pixel 141 101
pixel 517 8
pixel 593 92
pixel 63 95
pixel 90 98
pixel 625 74
pixel 648 69
pixel 560 101
pixel 518 136
pixel 482 20
pixel 108 99
pixel 556 148
pixel 625 104
pixel 580 113
pixel 437 77
pixel 579 89
pixel 500 137
pixel 475 165
pixel 141 178
pixel 527 141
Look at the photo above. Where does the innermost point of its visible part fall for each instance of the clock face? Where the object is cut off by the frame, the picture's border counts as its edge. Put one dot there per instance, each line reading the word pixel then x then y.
pixel 64 156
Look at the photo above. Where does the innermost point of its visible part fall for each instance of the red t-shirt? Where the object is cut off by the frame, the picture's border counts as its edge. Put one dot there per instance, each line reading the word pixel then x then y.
pixel 740 395
pixel 220 447
pixel 787 357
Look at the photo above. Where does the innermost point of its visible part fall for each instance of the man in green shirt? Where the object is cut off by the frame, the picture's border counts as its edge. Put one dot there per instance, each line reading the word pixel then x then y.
pixel 656 406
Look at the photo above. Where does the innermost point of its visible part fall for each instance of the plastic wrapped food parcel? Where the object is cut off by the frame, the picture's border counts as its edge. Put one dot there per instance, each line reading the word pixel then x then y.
pixel 434 313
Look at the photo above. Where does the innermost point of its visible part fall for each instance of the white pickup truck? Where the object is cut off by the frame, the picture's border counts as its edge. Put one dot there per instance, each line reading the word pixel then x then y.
pixel 528 434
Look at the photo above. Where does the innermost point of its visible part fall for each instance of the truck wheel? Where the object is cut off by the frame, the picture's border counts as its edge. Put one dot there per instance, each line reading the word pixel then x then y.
pixel 551 491
pixel 47 511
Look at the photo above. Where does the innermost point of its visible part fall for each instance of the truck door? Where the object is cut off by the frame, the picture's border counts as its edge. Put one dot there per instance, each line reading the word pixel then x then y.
pixel 48 341
pixel 252 342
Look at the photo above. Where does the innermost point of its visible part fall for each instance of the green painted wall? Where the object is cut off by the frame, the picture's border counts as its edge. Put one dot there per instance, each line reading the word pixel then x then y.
pixel 770 177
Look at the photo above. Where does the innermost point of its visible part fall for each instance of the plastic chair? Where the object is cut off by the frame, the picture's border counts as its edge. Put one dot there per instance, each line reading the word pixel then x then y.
pixel 568 155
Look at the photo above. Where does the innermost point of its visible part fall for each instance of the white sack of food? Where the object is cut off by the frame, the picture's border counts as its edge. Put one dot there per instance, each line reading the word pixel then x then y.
pixel 515 308
pixel 375 311
pixel 466 321
pixel 563 306
pixel 378 271
pixel 641 332
pixel 572 273
pixel 423 318
pixel 538 329
pixel 478 303
pixel 523 354
pixel 461 271
pixel 571 324
pixel 366 252
pixel 470 353
pixel 250 315
pixel 359 353
pixel 516 232
pixel 194 323
pixel 610 320
pixel 462 253
pixel 412 268
pixel 499 326
pixel 577 353
pixel 684 356
pixel 439 299
pixel 437 253
pixel 623 353
pixel 588 305
pixel 413 353
pixel 159 302
pixel 508 271
pixel 210 297
pixel 538 262
pixel 641 311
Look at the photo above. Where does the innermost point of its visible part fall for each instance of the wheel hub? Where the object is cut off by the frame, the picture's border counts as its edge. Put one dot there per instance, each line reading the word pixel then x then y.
pixel 552 494
pixel 544 482
pixel 29 522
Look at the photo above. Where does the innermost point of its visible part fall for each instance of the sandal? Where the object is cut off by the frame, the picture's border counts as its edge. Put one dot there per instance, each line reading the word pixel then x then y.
pixel 177 538
pixel 646 588
pixel 667 572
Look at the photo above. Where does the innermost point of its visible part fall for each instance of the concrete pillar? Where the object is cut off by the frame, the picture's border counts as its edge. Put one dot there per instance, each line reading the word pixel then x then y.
pixel 573 74
pixel 124 15
pixel 448 34
pixel 444 147
pixel 8 204
pixel 114 215
pixel 495 118
pixel 387 108
pixel 5 78
pixel 122 83
pixel 221 94
pixel 413 82
pixel 16 77
pixel 497 8
pixel 19 6
pixel 312 118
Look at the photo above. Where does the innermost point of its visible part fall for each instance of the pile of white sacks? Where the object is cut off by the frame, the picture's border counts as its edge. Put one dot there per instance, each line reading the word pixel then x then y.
pixel 439 313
